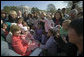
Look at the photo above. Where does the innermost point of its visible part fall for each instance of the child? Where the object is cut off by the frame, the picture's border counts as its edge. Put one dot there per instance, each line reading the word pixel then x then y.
pixel 26 32
pixel 20 20
pixel 4 32
pixel 25 24
pixel 27 36
pixel 19 45
pixel 50 44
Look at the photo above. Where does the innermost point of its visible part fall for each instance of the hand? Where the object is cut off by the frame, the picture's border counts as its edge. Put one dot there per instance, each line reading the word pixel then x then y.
pixel 1 21
pixel 64 39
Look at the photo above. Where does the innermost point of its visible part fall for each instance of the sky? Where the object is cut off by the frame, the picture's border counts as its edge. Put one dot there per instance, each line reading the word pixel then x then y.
pixel 39 4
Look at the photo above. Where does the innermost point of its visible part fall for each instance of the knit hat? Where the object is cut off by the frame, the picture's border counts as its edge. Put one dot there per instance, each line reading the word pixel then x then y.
pixel 24 28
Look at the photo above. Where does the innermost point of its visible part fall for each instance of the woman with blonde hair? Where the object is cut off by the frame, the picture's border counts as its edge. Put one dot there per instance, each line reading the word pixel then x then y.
pixel 12 16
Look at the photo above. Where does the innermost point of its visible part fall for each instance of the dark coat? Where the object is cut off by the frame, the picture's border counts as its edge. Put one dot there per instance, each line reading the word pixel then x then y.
pixel 12 20
pixel 68 48
pixel 59 22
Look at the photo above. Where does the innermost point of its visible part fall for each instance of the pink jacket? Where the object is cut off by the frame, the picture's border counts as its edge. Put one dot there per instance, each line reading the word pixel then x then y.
pixel 47 24
pixel 19 46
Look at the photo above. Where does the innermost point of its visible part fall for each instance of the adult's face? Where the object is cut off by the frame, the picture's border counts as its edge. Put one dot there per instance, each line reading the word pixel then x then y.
pixel 13 16
pixel 19 13
pixel 73 37
pixel 57 16
pixel 3 15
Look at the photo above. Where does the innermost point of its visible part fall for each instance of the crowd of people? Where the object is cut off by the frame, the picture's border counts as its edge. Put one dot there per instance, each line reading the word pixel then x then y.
pixel 57 34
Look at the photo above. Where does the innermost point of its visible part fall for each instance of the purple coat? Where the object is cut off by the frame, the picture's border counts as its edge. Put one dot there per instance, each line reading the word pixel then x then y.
pixel 50 46
pixel 38 34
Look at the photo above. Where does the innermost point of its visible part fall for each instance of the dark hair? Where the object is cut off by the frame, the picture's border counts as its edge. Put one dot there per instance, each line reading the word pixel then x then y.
pixel 80 13
pixel 59 13
pixel 63 9
pixel 77 25
pixel 3 12
pixel 29 15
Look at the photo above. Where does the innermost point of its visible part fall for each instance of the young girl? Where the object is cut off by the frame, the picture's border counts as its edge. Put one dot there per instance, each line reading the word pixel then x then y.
pixel 26 32
pixel 19 45
pixel 50 44
pixel 27 36
pixel 25 25
pixel 20 20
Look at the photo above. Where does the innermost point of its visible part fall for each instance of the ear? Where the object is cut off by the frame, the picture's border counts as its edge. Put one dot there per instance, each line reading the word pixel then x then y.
pixel 81 37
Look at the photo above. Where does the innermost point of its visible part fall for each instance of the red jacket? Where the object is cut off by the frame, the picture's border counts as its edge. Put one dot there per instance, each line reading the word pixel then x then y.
pixel 19 46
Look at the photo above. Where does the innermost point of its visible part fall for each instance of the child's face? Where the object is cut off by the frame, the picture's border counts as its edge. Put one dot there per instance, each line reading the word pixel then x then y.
pixel 24 32
pixel 20 21
pixel 17 33
pixel 24 24
pixel 4 26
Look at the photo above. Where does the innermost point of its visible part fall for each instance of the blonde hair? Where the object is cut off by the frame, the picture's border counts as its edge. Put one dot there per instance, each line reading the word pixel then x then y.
pixel 13 12
pixel 14 28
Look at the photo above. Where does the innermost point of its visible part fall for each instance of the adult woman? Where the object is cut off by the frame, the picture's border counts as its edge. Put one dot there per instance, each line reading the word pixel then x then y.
pixel 58 18
pixel 12 17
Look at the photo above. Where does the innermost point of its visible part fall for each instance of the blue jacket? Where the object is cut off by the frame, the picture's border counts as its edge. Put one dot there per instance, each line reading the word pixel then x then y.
pixel 5 51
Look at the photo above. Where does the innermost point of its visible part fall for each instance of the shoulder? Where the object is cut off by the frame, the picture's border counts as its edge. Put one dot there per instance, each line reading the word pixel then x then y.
pixel 51 39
